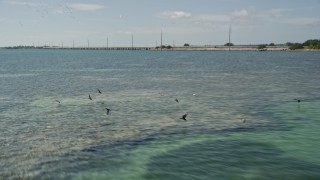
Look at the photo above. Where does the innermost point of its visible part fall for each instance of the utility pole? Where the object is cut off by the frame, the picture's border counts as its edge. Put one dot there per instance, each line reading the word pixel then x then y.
pixel 107 42
pixel 229 37
pixel 132 41
pixel 161 41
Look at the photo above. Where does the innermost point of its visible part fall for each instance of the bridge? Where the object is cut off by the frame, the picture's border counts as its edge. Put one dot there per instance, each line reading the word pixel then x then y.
pixel 102 48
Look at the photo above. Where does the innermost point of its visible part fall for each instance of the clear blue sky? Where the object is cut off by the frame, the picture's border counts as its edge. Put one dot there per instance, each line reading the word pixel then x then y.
pixel 197 22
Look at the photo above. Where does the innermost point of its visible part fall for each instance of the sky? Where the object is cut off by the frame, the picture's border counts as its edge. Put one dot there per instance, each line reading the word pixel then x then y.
pixel 120 22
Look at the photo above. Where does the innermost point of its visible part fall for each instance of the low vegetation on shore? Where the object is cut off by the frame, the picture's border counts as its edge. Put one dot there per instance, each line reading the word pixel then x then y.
pixel 309 44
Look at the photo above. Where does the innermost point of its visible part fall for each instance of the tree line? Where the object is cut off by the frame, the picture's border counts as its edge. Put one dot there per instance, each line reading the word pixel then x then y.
pixel 309 44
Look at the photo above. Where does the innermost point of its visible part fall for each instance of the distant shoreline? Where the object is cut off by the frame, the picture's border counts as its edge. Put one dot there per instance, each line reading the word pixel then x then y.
pixel 225 48
pixel 180 48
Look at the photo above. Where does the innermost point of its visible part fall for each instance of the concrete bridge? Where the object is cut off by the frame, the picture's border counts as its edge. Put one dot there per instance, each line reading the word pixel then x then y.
pixel 102 48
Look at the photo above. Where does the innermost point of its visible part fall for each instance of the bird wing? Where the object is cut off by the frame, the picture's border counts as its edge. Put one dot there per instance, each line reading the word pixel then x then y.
pixel 185 115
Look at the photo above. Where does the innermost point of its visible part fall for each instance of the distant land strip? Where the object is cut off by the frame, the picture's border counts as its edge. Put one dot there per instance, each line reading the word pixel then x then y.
pixel 309 45
pixel 176 48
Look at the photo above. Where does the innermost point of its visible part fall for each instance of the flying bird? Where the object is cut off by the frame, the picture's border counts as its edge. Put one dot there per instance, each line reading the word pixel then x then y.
pixel 298 100
pixel 177 100
pixel 57 101
pixel 108 110
pixel 99 91
pixel 90 97
pixel 184 116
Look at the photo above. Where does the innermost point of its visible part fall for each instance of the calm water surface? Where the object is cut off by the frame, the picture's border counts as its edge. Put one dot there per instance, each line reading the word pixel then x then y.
pixel 143 137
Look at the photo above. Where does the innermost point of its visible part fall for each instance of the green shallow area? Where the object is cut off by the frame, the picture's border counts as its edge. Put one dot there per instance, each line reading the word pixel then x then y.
pixel 227 159
pixel 276 154
pixel 300 140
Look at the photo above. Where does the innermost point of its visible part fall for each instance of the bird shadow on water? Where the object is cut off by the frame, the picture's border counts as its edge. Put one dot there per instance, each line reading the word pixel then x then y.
pixel 229 159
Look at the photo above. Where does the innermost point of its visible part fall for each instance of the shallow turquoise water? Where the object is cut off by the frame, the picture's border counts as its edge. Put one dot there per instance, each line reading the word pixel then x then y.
pixel 143 137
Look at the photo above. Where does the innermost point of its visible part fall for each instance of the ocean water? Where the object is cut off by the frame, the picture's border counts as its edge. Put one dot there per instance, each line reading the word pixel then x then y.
pixel 242 123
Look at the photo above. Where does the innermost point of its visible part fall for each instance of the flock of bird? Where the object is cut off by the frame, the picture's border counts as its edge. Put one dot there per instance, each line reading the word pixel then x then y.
pixel 107 109
pixel 184 116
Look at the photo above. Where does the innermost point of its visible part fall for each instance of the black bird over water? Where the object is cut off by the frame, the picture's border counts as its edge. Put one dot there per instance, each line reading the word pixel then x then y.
pixel 108 111
pixel 184 116
pixel 298 100
pixel 90 97
pixel 177 100
pixel 57 101
pixel 99 91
